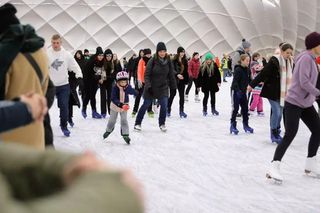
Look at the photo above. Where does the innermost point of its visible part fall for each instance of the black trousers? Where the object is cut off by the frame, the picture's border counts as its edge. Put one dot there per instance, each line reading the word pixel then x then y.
pixel 206 97
pixel 90 95
pixel 191 81
pixel 105 96
pixel 181 90
pixel 310 117
pixel 239 99
pixel 137 100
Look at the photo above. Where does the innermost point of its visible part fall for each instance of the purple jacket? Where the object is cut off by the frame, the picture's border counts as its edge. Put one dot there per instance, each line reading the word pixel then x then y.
pixel 303 91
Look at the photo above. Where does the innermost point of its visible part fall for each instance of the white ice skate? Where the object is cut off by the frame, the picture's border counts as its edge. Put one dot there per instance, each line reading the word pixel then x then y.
pixel 274 172
pixel 312 168
pixel 163 128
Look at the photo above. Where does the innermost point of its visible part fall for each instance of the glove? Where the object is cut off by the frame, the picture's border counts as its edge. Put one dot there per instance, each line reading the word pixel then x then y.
pixel 125 107
pixel 140 84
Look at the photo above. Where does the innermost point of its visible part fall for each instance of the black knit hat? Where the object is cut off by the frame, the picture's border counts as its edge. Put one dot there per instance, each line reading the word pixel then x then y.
pixel 107 52
pixel 7 16
pixel 99 51
pixel 312 40
pixel 161 46
pixel 146 51
pixel 180 49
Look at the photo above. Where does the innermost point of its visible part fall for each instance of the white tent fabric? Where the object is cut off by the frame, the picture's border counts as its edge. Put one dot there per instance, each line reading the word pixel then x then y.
pixel 126 26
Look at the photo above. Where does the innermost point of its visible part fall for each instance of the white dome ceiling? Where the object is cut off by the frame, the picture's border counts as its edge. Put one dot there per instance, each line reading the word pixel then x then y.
pixel 126 26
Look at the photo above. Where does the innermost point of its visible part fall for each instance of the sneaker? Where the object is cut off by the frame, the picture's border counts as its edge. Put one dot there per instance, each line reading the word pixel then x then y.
pixel 65 131
pixel 137 127
pixel 151 114
pixel 163 128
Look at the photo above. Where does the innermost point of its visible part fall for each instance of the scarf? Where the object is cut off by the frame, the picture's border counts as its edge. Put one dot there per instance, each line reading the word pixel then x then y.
pixel 285 70
pixel 122 96
pixel 18 38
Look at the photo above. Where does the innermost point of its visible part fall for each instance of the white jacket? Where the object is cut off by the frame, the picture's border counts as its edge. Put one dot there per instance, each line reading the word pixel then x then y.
pixel 60 63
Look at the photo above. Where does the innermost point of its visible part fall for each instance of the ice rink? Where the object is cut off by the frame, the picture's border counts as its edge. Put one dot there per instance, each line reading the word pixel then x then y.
pixel 197 166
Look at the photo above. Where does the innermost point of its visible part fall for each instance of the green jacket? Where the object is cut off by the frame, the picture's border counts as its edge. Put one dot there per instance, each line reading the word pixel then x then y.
pixel 31 182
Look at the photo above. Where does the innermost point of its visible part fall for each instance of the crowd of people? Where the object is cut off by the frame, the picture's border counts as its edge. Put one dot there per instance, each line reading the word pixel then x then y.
pixel 290 85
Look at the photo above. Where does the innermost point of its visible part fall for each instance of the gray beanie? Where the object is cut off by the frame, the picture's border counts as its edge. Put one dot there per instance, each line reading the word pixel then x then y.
pixel 245 44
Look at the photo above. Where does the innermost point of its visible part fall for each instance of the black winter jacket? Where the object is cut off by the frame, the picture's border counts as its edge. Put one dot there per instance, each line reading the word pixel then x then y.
pixel 209 83
pixel 241 78
pixel 270 75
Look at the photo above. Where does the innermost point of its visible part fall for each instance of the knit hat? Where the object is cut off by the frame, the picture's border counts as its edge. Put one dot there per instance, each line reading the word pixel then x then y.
pixel 245 44
pixel 7 17
pixel 99 51
pixel 194 54
pixel 161 46
pixel 312 40
pixel 107 52
pixel 208 56
pixel 147 51
pixel 180 49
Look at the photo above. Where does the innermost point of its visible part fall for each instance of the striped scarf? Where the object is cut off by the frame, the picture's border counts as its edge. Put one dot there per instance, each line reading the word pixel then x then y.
pixel 286 67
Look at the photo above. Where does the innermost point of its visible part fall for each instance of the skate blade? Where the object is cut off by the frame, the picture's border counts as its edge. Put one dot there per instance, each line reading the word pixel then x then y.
pixel 276 181
pixel 312 174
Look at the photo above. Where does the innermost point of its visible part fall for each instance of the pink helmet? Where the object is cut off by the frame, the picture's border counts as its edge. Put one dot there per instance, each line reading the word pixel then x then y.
pixel 123 75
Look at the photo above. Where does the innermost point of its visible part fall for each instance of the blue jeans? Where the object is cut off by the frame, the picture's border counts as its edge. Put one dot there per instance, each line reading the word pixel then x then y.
pixel 276 114
pixel 63 93
pixel 163 110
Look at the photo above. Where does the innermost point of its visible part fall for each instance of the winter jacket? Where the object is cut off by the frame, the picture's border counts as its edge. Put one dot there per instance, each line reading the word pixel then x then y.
pixel 115 97
pixel 31 181
pixel 141 70
pixel 241 79
pixel 158 78
pixel 303 91
pixel 13 114
pixel 91 76
pixel 184 73
pixel 209 83
pixel 18 83
pixel 193 68
pixel 270 75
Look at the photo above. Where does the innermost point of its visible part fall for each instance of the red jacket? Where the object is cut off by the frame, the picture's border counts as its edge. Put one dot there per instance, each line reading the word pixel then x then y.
pixel 193 68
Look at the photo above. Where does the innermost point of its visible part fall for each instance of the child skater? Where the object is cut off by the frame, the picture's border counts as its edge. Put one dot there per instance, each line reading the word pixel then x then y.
pixel 120 104
pixel 257 101
pixel 239 86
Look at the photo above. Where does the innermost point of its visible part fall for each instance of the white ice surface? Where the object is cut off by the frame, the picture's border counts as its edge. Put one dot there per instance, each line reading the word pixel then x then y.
pixel 197 166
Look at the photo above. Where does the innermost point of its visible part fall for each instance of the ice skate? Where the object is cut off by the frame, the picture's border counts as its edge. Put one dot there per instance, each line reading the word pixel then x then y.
pixel 274 172
pixel 312 167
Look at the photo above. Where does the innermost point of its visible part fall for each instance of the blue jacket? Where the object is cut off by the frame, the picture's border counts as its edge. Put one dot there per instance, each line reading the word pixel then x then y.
pixel 13 115
pixel 115 95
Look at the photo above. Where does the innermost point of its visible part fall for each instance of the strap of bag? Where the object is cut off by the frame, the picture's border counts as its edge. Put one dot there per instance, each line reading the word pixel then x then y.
pixel 35 66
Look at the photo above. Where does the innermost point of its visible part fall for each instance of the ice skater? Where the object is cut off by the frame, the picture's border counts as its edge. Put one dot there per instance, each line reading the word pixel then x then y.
pixel 239 85
pixel 120 105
